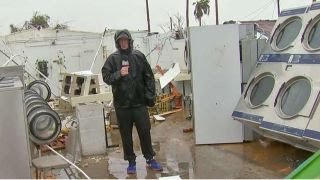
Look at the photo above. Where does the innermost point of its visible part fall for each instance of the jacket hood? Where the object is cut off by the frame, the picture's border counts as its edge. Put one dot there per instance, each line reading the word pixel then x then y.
pixel 123 33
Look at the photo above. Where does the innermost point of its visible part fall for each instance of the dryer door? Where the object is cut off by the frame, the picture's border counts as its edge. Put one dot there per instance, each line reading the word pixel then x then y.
pixel 296 97
pixel 310 39
pixel 259 90
pixel 285 34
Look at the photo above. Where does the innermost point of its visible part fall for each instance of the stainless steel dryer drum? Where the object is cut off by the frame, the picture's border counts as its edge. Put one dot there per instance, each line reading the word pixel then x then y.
pixel 44 123
pixel 29 91
pixel 31 97
pixel 42 88
pixel 35 105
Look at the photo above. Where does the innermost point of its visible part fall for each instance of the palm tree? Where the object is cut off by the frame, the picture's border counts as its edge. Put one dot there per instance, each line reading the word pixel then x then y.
pixel 201 7
pixel 40 20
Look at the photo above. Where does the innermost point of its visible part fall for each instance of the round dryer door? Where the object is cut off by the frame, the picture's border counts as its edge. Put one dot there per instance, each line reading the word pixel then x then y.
pixel 286 33
pixel 44 125
pixel 292 97
pixel 259 90
pixel 311 35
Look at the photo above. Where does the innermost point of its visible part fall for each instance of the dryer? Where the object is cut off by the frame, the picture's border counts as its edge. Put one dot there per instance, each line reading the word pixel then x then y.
pixel 288 31
pixel 296 101
pixel 282 97
pixel 310 42
pixel 297 97
pixel 257 98
pixel 310 38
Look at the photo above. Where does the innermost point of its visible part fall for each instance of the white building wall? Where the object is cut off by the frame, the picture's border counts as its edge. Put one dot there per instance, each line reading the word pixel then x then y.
pixel 65 51
pixel 72 51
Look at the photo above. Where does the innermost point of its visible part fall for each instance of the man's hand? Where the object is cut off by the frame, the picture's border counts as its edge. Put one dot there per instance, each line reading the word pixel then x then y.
pixel 124 70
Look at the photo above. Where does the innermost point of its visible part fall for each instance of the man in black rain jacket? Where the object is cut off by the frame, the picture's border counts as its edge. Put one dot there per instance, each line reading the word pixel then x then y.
pixel 133 87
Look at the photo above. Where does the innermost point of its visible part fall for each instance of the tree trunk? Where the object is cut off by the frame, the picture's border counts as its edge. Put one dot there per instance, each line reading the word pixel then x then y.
pixel 217 14
pixel 148 18
pixel 199 21
pixel 187 13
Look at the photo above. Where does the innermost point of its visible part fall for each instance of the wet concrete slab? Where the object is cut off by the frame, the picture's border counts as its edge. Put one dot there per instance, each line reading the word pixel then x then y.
pixel 178 155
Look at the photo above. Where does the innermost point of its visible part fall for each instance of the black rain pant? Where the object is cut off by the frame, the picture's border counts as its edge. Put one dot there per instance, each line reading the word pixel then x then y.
pixel 139 116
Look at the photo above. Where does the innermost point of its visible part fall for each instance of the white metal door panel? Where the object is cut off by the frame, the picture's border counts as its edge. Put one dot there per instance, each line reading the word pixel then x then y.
pixel 15 149
pixel 216 83
pixel 92 132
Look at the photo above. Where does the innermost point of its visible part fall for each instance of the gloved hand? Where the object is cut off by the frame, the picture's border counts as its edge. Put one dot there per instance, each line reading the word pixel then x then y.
pixel 150 102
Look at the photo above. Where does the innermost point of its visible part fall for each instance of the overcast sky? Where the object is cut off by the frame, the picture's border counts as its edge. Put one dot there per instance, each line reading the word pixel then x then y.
pixel 95 15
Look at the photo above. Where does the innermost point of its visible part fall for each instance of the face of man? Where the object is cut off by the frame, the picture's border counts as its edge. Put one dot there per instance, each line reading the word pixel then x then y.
pixel 124 43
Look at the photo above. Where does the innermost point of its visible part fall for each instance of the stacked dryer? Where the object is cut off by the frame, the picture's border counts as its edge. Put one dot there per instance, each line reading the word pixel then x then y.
pixel 294 94
pixel 311 44
pixel 282 93
pixel 44 123
pixel 258 96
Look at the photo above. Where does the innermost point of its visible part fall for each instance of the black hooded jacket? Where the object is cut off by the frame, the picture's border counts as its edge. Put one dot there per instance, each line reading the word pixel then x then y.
pixel 138 87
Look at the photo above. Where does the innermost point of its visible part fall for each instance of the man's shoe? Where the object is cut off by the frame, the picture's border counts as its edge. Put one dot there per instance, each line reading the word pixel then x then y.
pixel 154 165
pixel 132 168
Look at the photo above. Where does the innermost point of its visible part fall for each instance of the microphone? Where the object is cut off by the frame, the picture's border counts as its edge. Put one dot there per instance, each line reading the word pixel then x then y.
pixel 125 63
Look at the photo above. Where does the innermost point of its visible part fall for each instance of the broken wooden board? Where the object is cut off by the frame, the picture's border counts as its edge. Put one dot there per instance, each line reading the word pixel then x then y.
pixel 170 112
